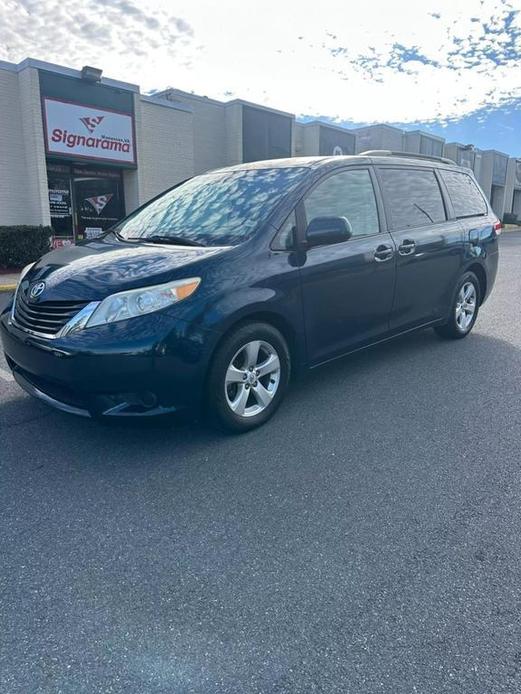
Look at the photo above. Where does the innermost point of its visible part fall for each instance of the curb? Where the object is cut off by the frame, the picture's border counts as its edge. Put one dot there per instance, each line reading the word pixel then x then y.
pixel 7 287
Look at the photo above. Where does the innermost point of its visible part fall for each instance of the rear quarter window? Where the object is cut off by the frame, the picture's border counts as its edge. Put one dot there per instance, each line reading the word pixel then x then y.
pixel 464 194
pixel 412 197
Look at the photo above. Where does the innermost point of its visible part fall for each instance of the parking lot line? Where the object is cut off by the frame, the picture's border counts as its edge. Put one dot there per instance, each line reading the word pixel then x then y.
pixel 5 375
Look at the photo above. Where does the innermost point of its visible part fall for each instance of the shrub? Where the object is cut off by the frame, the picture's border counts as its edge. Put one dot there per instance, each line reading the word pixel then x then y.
pixel 20 245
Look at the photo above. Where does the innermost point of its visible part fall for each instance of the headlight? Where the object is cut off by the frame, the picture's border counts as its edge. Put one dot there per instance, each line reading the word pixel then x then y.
pixel 137 302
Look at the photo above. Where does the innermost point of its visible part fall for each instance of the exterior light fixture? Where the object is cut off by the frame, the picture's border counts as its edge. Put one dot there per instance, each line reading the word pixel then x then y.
pixel 91 74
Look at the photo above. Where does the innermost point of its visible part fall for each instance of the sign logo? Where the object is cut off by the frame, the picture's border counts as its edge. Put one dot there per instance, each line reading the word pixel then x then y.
pixel 99 202
pixel 37 290
pixel 91 122
pixel 79 131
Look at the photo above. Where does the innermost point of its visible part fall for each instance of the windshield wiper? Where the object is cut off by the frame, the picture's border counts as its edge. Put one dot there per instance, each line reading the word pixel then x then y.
pixel 431 220
pixel 157 238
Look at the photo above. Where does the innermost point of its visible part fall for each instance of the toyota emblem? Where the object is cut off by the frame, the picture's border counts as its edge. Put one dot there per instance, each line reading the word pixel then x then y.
pixel 37 290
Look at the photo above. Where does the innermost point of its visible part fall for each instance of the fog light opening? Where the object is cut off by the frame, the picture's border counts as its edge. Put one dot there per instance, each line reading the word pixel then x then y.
pixel 148 399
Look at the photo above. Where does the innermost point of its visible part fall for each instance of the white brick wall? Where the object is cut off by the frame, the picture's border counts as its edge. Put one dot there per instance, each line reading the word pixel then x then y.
pixel 306 139
pixel 165 148
pixel 36 188
pixel 13 198
pixel 209 135
pixel 23 179
pixel 233 121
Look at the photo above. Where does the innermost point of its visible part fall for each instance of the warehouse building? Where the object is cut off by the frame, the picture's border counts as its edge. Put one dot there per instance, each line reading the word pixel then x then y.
pixel 322 139
pixel 70 152
pixel 79 151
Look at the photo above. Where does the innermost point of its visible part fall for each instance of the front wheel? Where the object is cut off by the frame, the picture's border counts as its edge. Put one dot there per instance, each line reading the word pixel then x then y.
pixel 464 310
pixel 248 377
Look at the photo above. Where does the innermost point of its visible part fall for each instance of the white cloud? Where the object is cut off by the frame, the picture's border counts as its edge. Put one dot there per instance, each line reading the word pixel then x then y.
pixel 400 61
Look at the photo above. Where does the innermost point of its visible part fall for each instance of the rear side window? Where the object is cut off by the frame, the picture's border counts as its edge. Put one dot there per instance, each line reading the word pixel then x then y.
pixel 465 196
pixel 413 197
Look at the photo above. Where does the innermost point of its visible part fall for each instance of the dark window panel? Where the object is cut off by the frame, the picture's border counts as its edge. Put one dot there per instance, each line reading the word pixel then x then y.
pixel 413 197
pixel 465 196
pixel 265 135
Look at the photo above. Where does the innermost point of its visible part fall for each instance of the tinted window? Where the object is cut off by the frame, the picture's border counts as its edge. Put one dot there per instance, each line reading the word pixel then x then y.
pixel 413 197
pixel 218 209
pixel 348 194
pixel 464 194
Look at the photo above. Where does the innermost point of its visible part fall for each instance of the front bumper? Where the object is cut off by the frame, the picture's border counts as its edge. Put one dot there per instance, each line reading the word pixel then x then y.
pixel 140 367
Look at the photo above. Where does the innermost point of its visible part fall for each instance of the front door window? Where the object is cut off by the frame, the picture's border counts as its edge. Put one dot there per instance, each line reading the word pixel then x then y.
pixel 348 194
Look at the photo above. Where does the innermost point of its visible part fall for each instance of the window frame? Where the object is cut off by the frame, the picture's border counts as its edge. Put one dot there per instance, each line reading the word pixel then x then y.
pixel 409 167
pixel 273 242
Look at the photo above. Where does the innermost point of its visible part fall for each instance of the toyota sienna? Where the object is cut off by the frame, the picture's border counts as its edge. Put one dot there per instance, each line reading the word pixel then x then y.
pixel 217 291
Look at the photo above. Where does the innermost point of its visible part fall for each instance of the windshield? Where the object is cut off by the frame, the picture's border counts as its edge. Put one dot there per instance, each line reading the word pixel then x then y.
pixel 215 209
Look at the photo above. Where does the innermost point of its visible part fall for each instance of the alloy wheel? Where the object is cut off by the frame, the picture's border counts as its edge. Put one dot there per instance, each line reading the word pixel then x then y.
pixel 252 378
pixel 466 306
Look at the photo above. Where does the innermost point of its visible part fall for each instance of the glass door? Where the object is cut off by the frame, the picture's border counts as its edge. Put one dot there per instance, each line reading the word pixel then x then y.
pixel 98 201
pixel 60 201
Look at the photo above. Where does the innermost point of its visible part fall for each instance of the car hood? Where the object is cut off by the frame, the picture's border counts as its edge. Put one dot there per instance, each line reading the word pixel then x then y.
pixel 93 270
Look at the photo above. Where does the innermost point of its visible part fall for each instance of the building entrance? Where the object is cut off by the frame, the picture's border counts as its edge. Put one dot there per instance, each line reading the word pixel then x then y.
pixel 84 201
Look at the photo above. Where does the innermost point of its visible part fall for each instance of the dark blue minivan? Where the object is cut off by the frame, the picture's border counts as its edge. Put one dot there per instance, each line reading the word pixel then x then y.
pixel 217 291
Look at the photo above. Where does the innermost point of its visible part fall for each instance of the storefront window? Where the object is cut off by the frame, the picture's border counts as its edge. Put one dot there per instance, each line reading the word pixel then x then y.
pixel 84 200
pixel 60 200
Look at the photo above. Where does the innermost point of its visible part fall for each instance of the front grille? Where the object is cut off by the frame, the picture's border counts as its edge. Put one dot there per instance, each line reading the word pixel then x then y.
pixel 47 316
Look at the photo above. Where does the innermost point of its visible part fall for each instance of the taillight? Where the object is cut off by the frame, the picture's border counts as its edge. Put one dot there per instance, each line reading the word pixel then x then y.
pixel 497 227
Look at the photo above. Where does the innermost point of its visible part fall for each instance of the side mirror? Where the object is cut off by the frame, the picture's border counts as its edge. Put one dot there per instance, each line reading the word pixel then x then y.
pixel 324 231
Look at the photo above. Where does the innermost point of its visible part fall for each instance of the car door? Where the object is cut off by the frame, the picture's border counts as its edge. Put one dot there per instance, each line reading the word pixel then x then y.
pixel 347 287
pixel 429 246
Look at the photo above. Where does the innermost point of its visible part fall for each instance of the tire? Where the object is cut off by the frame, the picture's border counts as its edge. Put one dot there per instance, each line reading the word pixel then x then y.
pixel 248 377
pixel 462 320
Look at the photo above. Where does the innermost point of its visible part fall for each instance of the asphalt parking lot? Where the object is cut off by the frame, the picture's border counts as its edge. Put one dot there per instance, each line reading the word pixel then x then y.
pixel 367 539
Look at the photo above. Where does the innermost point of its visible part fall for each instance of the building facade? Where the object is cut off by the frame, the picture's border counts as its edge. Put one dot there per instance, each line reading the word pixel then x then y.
pixel 80 151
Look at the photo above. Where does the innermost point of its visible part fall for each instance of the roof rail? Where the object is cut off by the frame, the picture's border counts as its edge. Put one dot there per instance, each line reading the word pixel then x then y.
pixel 407 155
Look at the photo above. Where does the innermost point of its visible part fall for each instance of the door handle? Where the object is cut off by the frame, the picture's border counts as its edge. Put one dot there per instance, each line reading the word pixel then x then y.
pixel 406 247
pixel 383 253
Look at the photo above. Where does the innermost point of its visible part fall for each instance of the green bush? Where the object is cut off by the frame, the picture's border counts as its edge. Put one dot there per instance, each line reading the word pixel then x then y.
pixel 20 245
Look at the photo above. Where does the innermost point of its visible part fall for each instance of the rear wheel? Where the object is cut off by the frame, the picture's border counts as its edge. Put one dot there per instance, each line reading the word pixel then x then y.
pixel 248 377
pixel 464 310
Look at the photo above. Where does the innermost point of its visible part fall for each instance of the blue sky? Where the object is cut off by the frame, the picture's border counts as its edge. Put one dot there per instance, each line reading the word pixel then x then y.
pixel 449 66
pixel 492 127
pixel 489 128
